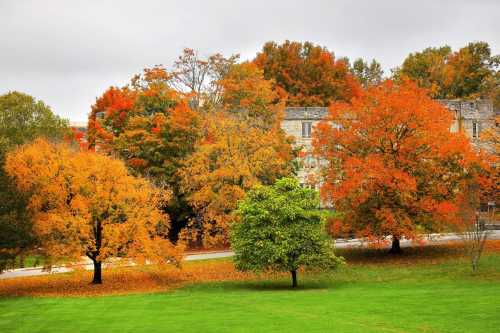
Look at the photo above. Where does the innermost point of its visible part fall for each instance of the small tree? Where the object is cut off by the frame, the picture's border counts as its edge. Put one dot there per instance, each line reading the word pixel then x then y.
pixel 281 229
pixel 481 187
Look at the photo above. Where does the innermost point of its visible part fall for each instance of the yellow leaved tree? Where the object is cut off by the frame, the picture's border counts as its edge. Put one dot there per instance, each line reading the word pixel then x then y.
pixel 86 204
pixel 233 157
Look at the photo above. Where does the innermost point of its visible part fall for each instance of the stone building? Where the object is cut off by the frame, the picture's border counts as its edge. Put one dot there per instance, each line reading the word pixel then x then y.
pixel 470 116
pixel 473 117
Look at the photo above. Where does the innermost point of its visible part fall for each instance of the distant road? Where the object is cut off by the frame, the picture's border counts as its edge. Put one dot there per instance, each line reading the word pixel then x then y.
pixel 341 244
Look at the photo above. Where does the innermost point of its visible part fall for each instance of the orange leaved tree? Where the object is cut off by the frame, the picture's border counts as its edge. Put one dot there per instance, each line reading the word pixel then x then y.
pixel 243 145
pixel 152 128
pixel 245 90
pixel 309 74
pixel 233 157
pixel 86 204
pixel 392 166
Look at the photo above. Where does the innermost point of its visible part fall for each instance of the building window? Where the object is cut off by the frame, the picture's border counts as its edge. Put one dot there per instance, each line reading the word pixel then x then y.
pixel 310 162
pixel 476 129
pixel 306 129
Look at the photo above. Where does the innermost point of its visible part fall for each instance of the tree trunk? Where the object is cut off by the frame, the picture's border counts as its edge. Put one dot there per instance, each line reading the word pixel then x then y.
pixel 294 278
pixel 474 264
pixel 97 272
pixel 395 248
pixel 21 261
pixel 97 229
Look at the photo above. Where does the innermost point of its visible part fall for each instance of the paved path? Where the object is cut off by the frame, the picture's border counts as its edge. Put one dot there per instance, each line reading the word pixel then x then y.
pixel 87 264
pixel 341 244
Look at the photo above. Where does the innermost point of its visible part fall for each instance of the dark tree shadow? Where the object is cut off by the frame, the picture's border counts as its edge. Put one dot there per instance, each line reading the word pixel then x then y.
pixel 279 285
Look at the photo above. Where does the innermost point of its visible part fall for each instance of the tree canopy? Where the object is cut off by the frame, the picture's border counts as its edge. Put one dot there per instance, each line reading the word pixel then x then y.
pixel 281 228
pixel 470 72
pixel 151 126
pixel 367 74
pixel 243 145
pixel 200 76
pixel 22 119
pixel 393 167
pixel 87 204
pixel 308 74
pixel 234 156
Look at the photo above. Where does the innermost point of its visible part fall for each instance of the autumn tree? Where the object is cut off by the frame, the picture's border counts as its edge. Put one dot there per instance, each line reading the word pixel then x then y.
pixel 108 116
pixel 22 119
pixel 280 228
pixel 87 204
pixel 392 167
pixel 244 90
pixel 243 146
pixel 148 123
pixel 309 74
pixel 470 72
pixel 427 69
pixel 367 74
pixel 151 126
pixel 234 156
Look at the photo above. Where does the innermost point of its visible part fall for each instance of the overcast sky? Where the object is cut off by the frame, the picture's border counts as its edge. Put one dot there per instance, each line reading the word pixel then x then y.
pixel 68 52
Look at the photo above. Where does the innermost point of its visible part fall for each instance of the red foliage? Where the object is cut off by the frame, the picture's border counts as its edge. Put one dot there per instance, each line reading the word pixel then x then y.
pixel 394 167
pixel 112 107
pixel 309 74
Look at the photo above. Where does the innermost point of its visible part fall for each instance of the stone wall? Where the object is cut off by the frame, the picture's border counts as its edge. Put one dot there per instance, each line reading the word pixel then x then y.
pixel 470 114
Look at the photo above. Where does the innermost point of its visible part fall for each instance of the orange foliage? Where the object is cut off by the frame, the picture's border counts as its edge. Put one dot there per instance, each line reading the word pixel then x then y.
pixel 126 280
pixel 235 157
pixel 244 89
pixel 109 114
pixel 77 137
pixel 394 168
pixel 86 204
pixel 309 74
pixel 491 136
pixel 148 123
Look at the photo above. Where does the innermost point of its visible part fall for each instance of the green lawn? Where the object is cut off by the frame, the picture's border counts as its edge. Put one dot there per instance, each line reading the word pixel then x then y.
pixel 385 298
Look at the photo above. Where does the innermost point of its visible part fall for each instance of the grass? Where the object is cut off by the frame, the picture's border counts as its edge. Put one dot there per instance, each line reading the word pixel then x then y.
pixel 375 293
pixel 31 261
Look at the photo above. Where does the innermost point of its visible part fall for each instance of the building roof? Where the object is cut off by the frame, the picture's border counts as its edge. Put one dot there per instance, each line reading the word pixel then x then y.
pixel 305 113
pixel 468 110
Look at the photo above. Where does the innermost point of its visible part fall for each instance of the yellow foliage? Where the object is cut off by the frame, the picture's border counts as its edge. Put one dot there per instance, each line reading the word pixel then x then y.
pixel 86 204
pixel 233 157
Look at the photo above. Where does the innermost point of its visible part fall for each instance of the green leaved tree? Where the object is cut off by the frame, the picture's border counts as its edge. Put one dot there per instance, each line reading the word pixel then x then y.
pixel 281 229
pixel 367 74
